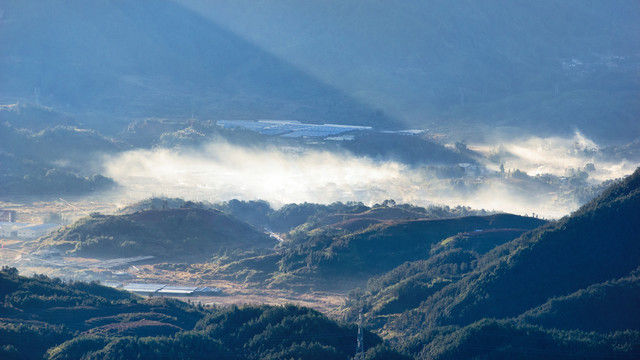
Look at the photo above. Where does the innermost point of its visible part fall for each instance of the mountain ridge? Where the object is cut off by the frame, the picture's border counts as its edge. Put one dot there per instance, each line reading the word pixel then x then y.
pixel 166 233
pixel 154 58
pixel 577 274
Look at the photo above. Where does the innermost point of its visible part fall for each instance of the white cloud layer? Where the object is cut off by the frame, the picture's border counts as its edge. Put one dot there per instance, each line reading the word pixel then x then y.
pixel 220 171
pixel 555 155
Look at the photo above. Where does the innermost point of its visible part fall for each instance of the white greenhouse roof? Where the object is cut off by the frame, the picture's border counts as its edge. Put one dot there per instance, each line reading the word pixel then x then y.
pixel 178 289
pixel 137 287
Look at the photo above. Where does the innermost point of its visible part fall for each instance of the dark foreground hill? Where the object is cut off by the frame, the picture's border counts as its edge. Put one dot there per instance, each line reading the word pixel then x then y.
pixel 568 289
pixel 165 233
pixel 597 243
pixel 50 319
pixel 603 307
pixel 506 339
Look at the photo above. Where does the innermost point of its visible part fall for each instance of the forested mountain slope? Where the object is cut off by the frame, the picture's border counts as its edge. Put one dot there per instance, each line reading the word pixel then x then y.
pixel 50 319
pixel 603 307
pixel 567 289
pixel 333 255
pixel 597 243
pixel 164 233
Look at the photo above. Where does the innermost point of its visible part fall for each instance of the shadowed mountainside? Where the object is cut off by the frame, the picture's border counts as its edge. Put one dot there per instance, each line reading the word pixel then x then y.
pixel 121 59
pixel 546 67
pixel 73 320
pixel 568 288
pixel 597 243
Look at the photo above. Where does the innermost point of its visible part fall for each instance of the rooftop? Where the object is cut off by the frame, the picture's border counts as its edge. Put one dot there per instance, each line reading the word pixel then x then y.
pixel 291 128
pixel 178 289
pixel 138 287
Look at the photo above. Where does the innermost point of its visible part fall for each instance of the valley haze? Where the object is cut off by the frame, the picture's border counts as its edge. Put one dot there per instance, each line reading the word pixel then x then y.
pixel 220 171
pixel 277 179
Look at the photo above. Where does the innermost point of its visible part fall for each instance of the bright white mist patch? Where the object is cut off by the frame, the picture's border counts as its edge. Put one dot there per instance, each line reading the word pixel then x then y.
pixel 555 155
pixel 220 172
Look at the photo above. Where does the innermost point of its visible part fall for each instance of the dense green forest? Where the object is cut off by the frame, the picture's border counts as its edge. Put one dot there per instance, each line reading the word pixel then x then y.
pixel 73 320
pixel 308 216
pixel 334 253
pixel 165 233
pixel 326 246
pixel 569 288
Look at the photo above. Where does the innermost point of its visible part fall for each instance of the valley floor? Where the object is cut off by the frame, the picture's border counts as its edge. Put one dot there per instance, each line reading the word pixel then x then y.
pixel 240 293
pixel 19 253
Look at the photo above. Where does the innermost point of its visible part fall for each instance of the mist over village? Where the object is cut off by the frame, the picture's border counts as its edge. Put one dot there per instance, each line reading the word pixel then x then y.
pixel 184 179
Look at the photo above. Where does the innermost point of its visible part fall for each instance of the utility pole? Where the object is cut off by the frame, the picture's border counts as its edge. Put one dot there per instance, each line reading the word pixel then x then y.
pixel 360 343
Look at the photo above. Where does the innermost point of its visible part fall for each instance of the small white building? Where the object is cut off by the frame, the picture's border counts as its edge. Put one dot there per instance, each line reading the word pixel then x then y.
pixel 144 289
pixel 35 231
pixel 10 229
pixel 177 290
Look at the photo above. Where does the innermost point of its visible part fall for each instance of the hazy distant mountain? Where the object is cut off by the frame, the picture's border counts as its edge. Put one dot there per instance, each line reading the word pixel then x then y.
pixel 543 66
pixel 114 60
pixel 546 66
pixel 53 161
pixel 34 117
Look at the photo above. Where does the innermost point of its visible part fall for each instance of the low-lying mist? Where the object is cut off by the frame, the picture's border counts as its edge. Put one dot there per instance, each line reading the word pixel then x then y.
pixel 221 171
pixel 555 155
